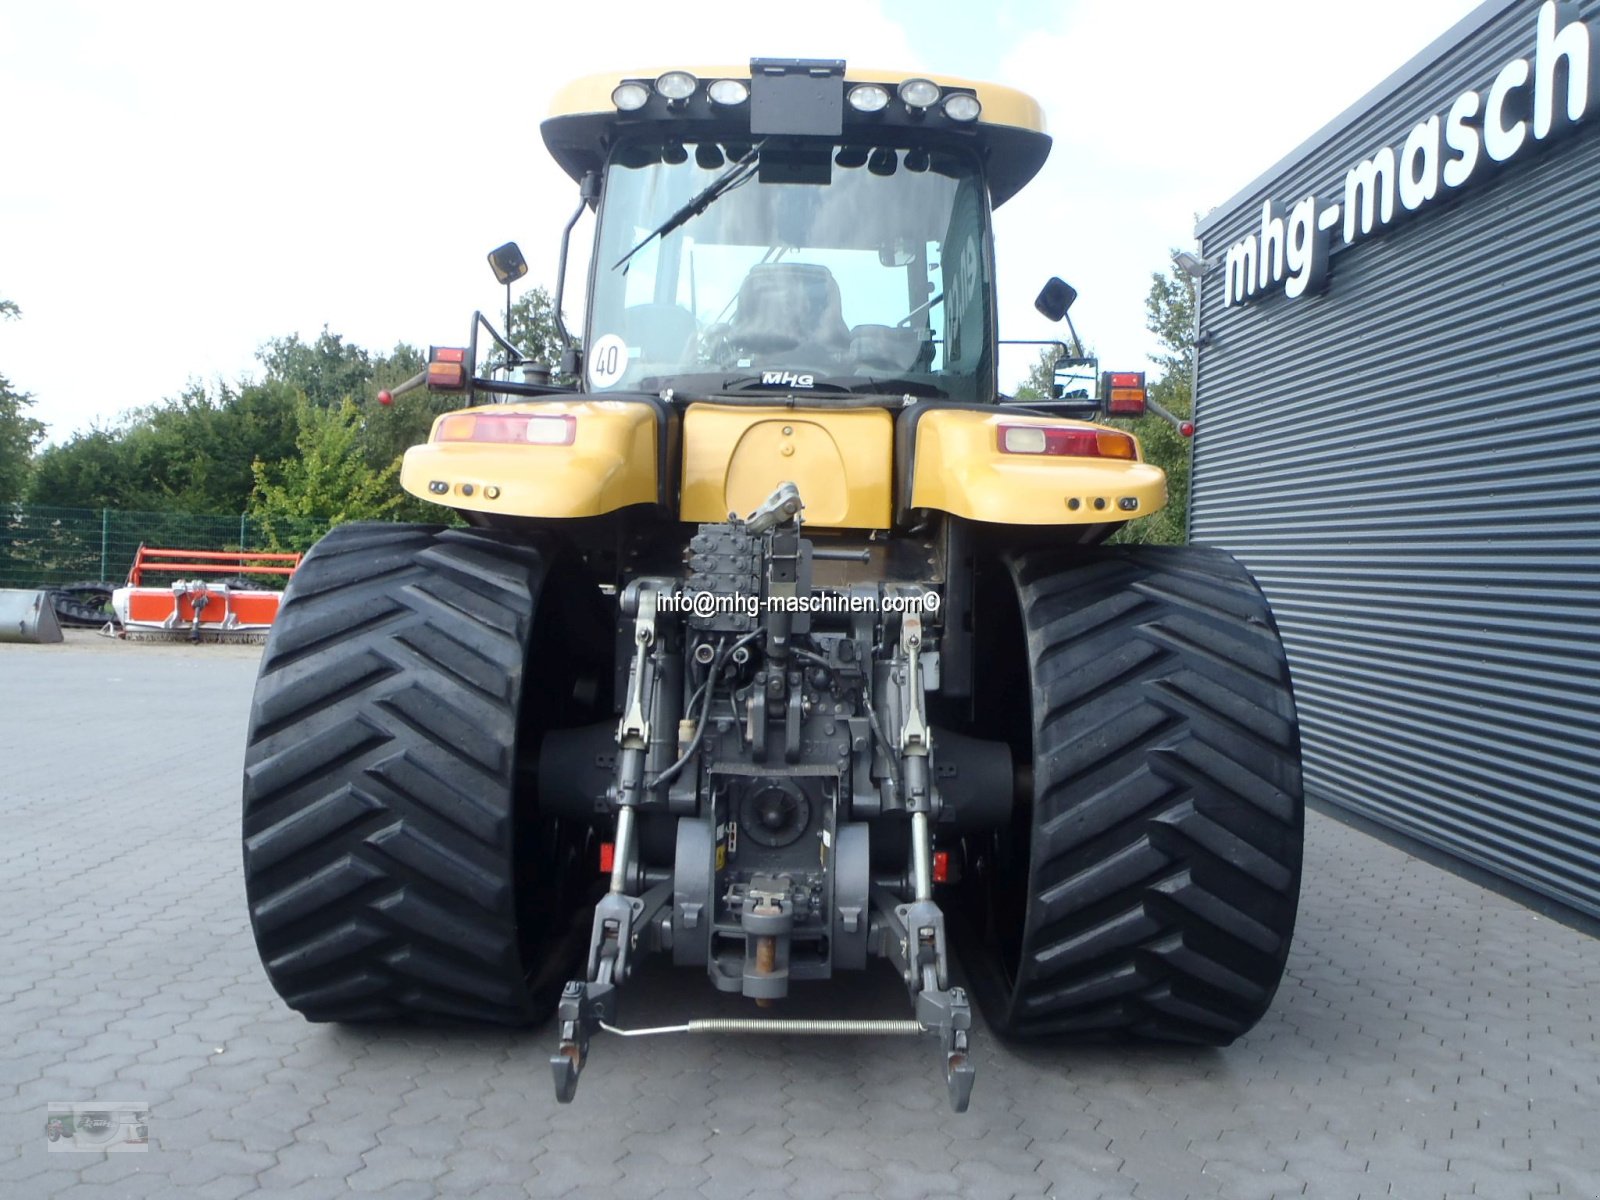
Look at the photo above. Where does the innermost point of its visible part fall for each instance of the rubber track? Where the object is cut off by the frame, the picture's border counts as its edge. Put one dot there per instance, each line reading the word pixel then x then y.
pixel 82 605
pixel 1168 815
pixel 378 784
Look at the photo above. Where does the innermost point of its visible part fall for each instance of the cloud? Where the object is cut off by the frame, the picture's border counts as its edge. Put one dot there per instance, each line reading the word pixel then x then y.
pixel 1163 110
pixel 200 177
pixel 188 180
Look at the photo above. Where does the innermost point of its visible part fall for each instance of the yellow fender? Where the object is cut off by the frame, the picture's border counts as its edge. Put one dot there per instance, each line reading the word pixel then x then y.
pixel 958 467
pixel 612 460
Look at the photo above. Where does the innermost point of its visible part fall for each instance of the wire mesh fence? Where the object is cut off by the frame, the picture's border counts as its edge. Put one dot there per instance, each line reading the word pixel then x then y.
pixel 53 547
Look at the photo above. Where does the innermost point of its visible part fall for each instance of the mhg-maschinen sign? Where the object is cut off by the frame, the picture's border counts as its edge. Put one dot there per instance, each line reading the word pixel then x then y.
pixel 1443 152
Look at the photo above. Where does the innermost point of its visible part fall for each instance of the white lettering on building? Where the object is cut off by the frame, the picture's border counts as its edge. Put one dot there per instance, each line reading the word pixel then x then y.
pixel 1526 102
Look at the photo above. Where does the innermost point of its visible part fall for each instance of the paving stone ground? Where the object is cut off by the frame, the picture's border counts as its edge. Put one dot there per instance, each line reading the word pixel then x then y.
pixel 1431 1039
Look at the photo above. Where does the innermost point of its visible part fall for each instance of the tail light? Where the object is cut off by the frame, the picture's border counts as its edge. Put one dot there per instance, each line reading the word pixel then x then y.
pixel 1067 441
pixel 1124 393
pixel 447 368
pixel 508 429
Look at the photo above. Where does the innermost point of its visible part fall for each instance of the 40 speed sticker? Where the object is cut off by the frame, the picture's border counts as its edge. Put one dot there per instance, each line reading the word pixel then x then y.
pixel 608 359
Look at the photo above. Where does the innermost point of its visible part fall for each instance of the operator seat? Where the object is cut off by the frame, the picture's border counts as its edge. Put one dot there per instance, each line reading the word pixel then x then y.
pixel 789 306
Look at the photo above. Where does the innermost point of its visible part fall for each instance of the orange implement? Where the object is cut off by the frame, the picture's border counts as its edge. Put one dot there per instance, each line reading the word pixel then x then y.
pixel 214 562
pixel 194 606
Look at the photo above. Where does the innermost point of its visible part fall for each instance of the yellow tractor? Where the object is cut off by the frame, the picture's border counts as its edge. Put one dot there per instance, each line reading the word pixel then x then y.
pixel 780 642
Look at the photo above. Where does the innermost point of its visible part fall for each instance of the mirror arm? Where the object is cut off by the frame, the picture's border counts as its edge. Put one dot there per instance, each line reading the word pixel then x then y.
pixel 1185 428
pixel 503 342
pixel 1077 346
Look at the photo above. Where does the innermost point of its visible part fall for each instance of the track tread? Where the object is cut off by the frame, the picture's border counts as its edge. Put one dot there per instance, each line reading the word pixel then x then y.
pixel 379 779
pixel 1164 861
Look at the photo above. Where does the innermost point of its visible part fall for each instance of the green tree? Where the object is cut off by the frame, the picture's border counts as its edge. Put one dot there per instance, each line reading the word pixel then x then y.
pixel 19 432
pixel 534 329
pixel 193 453
pixel 1169 314
pixel 388 430
pixel 1041 376
pixel 327 370
pixel 91 469
pixel 215 450
pixel 197 452
pixel 533 332
pixel 326 482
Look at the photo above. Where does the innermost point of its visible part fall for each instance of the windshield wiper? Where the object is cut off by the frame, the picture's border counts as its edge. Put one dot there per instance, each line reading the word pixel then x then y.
pixel 740 172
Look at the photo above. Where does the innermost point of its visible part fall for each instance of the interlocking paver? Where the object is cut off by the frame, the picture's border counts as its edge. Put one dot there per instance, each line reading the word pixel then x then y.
pixel 1430 1039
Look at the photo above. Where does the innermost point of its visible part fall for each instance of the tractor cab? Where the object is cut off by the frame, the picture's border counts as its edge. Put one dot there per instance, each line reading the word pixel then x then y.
pixel 787 227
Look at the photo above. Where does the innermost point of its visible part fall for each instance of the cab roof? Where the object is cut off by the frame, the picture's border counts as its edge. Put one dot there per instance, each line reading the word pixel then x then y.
pixel 1009 134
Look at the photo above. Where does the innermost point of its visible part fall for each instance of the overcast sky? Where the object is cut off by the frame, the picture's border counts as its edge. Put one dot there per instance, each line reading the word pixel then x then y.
pixel 180 182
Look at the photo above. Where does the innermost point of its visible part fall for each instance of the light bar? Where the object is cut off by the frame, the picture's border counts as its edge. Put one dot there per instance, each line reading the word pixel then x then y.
pixel 507 428
pixel 1067 441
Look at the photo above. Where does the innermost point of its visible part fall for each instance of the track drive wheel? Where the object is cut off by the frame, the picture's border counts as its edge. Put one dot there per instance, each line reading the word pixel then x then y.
pixel 1149 880
pixel 84 605
pixel 394 864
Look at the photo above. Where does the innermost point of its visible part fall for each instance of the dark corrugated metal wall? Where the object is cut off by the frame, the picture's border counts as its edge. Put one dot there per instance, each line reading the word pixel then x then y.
pixel 1410 463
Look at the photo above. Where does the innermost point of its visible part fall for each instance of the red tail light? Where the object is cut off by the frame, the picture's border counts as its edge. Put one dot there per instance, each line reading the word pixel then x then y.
pixel 447 368
pixel 1066 441
pixel 447 377
pixel 1125 393
pixel 508 428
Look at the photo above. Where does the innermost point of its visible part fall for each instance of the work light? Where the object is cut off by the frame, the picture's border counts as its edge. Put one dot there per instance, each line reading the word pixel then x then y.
pixel 728 92
pixel 919 93
pixel 962 107
pixel 677 85
pixel 629 97
pixel 868 98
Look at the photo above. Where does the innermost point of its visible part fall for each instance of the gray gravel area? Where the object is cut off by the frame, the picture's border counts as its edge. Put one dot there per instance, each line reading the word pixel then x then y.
pixel 1431 1039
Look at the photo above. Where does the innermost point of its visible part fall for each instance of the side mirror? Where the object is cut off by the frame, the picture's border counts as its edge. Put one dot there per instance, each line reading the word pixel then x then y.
pixel 1055 299
pixel 897 253
pixel 508 263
